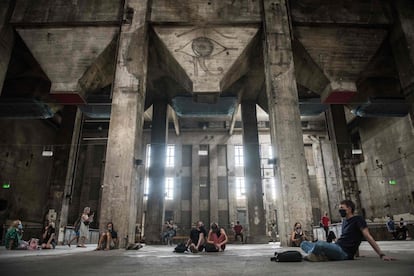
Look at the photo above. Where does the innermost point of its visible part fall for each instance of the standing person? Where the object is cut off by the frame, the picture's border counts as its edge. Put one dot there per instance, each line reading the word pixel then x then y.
pixel 325 224
pixel 109 238
pixel 14 235
pixel 198 236
pixel 76 230
pixel 238 231
pixel 297 236
pixel 86 219
pixel 391 227
pixel 217 238
pixel 353 229
pixel 48 236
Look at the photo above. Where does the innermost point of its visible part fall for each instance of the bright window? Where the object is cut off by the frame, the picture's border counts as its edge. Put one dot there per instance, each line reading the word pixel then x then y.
pixel 240 187
pixel 169 188
pixel 239 156
pixel 170 156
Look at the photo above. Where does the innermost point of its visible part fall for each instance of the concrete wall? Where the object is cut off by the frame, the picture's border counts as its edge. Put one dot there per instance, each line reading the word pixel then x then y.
pixel 23 166
pixel 388 149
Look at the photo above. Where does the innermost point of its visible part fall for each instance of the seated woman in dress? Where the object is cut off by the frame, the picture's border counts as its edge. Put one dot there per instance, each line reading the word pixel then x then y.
pixel 14 236
pixel 217 238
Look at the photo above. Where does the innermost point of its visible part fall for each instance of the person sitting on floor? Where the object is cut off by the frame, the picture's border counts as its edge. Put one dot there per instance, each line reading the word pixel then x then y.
pixel 354 228
pixel 297 236
pixel 197 238
pixel 217 239
pixel 14 236
pixel 48 236
pixel 108 239
pixel 238 231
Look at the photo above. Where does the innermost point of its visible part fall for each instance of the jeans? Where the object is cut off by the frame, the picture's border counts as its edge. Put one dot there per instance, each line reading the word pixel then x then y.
pixel 322 248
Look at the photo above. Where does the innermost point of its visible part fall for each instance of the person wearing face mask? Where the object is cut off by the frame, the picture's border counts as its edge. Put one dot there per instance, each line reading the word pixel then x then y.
pixel 108 239
pixel 14 235
pixel 354 228
pixel 297 236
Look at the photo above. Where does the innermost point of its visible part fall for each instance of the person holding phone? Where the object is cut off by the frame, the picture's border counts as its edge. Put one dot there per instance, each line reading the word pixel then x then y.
pixel 86 219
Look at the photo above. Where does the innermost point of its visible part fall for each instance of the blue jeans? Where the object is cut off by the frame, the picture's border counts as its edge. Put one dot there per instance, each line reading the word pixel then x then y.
pixel 322 248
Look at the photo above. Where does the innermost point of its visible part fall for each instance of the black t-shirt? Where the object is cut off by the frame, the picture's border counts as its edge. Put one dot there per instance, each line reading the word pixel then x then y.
pixel 195 234
pixel 114 234
pixel 50 230
pixel 351 236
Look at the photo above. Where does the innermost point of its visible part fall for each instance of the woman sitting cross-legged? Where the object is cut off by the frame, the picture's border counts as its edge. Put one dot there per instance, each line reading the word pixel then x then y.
pixel 217 239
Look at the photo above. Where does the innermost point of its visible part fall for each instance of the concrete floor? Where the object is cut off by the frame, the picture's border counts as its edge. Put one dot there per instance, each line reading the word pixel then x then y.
pixel 236 260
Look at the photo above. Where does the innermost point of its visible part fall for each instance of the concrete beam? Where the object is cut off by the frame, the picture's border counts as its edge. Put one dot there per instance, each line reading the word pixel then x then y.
pixel 402 42
pixel 340 12
pixel 200 11
pixel 175 120
pixel 6 39
pixel 64 12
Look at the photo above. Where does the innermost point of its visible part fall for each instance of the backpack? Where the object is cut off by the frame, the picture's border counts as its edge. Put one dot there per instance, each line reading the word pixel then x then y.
pixel 180 248
pixel 287 256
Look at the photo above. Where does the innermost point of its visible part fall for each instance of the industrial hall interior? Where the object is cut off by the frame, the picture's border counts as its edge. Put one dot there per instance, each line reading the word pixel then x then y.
pixel 262 112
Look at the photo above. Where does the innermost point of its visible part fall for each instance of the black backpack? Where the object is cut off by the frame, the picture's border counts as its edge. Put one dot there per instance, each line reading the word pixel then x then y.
pixel 180 248
pixel 287 256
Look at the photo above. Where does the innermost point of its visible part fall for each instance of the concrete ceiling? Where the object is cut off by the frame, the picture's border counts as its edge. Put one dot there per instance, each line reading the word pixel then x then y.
pixel 337 47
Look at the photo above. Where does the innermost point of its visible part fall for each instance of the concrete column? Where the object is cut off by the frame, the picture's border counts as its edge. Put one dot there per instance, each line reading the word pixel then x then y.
pixel 253 177
pixel 402 42
pixel 332 179
pixel 118 203
pixel 70 169
pixel 6 38
pixel 213 166
pixel 320 176
pixel 195 187
pixel 341 141
pixel 292 184
pixel 156 195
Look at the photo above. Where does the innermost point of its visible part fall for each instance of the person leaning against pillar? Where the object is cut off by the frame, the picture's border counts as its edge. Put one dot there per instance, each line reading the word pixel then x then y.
pixel 353 229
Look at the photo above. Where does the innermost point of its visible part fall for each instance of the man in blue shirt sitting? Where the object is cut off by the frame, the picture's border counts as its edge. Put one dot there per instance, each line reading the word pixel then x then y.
pixel 353 229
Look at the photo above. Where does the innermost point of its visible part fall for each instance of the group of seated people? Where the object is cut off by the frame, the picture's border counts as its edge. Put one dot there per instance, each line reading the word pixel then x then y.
pixel 213 241
pixel 14 237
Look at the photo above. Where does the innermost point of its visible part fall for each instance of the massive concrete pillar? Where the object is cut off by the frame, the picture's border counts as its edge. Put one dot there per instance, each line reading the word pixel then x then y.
pixel 253 177
pixel 6 38
pixel 341 141
pixel 402 42
pixel 195 184
pixel 156 194
pixel 118 202
pixel 291 178
pixel 70 173
pixel 213 193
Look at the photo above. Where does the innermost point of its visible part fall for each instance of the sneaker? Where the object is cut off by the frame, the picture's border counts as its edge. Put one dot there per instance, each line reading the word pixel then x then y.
pixel 315 258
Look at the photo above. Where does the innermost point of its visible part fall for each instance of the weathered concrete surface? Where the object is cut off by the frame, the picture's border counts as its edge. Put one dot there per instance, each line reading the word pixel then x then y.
pixel 199 12
pixel 235 260
pixel 119 193
pixel 285 128
pixel 72 12
pixel 6 39
pixel 253 174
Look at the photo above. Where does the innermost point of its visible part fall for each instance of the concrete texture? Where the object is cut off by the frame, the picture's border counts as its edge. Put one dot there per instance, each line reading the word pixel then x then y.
pixel 236 260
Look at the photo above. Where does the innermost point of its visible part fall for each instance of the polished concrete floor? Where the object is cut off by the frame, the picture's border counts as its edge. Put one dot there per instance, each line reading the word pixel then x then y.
pixel 236 260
